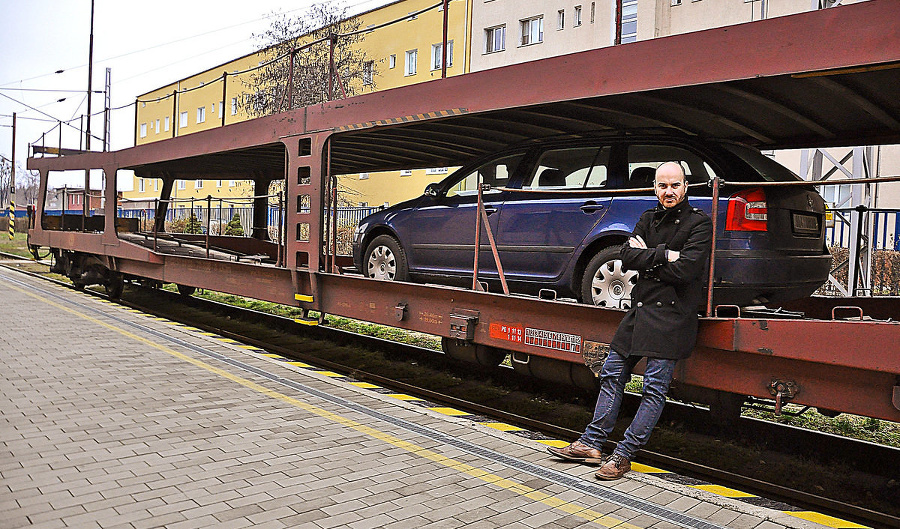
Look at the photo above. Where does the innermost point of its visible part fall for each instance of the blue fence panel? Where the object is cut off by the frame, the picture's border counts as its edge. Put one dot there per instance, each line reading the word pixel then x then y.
pixel 885 230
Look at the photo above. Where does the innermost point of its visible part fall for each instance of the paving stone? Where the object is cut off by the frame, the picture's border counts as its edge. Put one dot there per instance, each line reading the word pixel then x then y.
pixel 110 431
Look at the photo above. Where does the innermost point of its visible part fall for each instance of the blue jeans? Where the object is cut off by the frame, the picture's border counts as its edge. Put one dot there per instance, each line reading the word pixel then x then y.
pixel 615 374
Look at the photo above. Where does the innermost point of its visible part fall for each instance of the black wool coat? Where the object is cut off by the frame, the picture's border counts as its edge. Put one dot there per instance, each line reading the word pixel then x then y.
pixel 662 321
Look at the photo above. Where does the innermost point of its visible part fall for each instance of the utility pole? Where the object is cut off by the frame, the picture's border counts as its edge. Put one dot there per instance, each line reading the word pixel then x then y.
pixel 12 184
pixel 86 204
pixel 87 144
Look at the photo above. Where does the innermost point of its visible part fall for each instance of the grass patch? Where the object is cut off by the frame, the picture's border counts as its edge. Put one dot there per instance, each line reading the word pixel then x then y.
pixel 17 246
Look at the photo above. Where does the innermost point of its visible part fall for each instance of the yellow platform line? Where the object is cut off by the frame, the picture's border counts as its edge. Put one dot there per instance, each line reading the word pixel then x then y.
pixel 723 491
pixel 518 488
pixel 365 385
pixel 555 443
pixel 331 374
pixel 823 519
pixel 647 469
pixel 270 355
pixel 453 412
pixel 502 426
pixel 299 364
pixel 402 396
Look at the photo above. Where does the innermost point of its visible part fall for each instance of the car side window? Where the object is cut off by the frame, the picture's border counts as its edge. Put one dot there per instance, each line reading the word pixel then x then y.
pixel 644 159
pixel 572 168
pixel 496 173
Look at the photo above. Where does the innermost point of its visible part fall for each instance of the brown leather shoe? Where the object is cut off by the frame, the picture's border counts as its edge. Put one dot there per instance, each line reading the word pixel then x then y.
pixel 579 452
pixel 614 468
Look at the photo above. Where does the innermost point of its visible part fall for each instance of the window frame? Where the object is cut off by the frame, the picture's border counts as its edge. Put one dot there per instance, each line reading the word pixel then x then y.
pixel 528 27
pixel 410 66
pixel 490 39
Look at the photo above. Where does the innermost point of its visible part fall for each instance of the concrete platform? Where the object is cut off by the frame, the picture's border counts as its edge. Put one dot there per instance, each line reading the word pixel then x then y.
pixel 110 418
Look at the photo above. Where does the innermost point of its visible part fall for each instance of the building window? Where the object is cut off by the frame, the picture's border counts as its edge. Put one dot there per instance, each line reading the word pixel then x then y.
pixel 561 19
pixel 233 106
pixel 593 10
pixel 198 184
pixel 368 72
pixel 182 184
pixel 411 58
pixel 629 20
pixel 437 54
pixel 221 108
pixel 533 30
pixel 232 183
pixel 676 3
pixel 576 18
pixel 366 204
pixel 182 119
pixel 437 170
pixel 495 39
pixel 406 172
pixel 213 108
pixel 363 176
pixel 218 183
pixel 157 126
pixel 143 130
pixel 201 114
pixel 392 61
pixel 166 124
pixel 156 184
pixel 141 186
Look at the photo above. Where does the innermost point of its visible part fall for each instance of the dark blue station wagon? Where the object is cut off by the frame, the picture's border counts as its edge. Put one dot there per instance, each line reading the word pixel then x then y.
pixel 555 237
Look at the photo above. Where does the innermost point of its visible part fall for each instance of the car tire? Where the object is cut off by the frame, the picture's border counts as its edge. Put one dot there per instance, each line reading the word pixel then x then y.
pixel 385 259
pixel 605 283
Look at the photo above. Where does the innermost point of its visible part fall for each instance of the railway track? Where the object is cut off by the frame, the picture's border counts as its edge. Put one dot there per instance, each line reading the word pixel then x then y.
pixel 231 321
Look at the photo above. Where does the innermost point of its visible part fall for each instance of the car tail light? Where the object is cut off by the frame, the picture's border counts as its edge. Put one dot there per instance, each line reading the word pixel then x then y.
pixel 747 211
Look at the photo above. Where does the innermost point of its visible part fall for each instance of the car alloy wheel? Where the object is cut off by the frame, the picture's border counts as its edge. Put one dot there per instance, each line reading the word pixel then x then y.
pixel 611 285
pixel 606 283
pixel 382 263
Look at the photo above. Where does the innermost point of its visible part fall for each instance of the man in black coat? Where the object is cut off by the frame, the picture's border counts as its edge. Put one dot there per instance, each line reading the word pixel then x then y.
pixel 670 248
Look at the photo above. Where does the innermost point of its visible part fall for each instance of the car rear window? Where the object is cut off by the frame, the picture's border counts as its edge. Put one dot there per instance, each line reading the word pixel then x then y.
pixel 767 169
pixel 644 159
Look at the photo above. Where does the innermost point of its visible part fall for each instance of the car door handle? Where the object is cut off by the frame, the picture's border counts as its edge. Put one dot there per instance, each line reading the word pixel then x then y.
pixel 591 207
pixel 490 210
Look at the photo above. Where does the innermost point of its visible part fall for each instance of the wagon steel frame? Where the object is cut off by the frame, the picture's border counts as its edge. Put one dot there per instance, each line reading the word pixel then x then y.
pixel 704 83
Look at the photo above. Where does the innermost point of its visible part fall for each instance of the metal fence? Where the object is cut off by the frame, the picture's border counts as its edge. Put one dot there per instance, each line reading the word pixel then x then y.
pixel 885 233
pixel 347 217
pixel 877 271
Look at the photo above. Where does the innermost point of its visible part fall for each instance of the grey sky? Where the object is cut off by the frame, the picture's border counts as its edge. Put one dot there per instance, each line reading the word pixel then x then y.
pixel 146 44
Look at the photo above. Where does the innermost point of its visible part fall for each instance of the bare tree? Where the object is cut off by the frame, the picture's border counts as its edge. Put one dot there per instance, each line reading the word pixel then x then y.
pixel 5 167
pixel 309 79
pixel 29 184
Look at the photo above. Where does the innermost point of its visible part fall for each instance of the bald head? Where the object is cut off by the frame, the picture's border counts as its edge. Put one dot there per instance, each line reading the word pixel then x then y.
pixel 670 184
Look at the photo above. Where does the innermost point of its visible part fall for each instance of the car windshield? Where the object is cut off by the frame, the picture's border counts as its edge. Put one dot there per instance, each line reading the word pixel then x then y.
pixel 767 168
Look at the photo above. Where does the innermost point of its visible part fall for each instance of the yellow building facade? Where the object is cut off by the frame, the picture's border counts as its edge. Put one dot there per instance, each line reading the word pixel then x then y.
pixel 403 47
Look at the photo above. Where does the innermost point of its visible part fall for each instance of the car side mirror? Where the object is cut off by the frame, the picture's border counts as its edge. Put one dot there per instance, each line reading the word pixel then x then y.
pixel 432 190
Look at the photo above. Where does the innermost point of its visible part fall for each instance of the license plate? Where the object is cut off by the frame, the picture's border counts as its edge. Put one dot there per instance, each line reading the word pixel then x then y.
pixel 806 223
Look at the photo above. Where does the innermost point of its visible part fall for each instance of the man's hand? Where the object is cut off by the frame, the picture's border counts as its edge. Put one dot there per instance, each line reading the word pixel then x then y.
pixel 637 242
pixel 672 255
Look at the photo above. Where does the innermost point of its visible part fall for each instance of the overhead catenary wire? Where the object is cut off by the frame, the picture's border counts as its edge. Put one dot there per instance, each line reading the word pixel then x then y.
pixel 176 41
